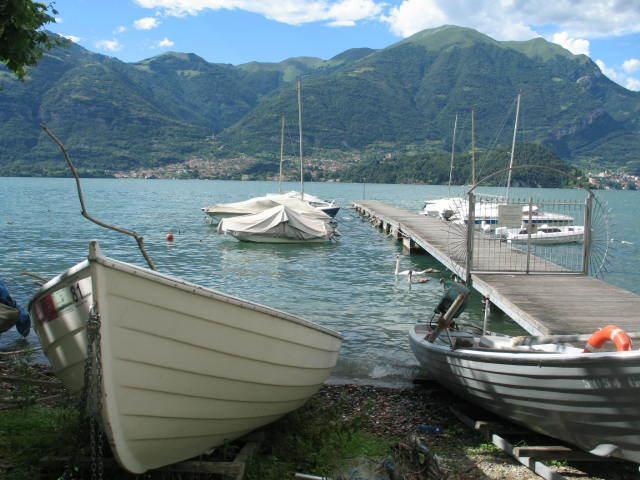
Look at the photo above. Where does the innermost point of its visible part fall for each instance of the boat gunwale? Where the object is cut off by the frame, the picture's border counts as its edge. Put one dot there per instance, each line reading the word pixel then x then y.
pixel 551 359
pixel 183 285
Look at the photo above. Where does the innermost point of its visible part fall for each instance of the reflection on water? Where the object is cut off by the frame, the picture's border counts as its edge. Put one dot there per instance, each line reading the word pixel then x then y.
pixel 348 285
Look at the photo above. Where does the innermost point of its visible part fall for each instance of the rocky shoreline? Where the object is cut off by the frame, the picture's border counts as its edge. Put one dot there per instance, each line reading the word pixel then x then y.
pixel 345 431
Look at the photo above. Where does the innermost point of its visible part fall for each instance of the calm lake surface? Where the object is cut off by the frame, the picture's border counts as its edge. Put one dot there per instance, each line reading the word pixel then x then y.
pixel 348 286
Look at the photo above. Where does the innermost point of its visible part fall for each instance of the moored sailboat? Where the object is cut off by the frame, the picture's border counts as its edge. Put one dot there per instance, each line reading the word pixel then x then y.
pixel 279 224
pixel 260 204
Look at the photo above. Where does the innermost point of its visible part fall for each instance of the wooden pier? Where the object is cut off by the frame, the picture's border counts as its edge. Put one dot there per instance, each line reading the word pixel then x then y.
pixel 557 301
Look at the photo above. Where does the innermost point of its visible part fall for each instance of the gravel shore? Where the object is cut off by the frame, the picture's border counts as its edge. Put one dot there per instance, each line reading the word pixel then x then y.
pixel 427 441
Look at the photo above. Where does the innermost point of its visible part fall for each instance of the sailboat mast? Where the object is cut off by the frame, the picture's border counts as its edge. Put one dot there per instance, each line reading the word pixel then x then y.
pixel 513 145
pixel 453 151
pixel 281 151
pixel 473 146
pixel 300 130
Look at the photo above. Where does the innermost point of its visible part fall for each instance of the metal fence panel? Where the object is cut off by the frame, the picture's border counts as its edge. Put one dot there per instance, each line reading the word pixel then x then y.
pixel 525 235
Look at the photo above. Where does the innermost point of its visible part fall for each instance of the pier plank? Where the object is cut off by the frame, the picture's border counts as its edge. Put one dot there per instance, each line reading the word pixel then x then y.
pixel 555 302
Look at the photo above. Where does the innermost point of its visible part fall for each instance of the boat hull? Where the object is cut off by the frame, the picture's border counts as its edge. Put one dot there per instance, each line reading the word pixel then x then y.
pixel 547 239
pixel 256 238
pixel 587 400
pixel 185 369
pixel 331 211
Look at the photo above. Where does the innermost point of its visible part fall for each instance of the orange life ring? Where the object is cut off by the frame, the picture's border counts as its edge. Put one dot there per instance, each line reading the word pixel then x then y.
pixel 619 337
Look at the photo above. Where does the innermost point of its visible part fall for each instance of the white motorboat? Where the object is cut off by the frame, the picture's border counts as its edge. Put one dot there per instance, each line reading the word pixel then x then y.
pixel 585 398
pixel 545 234
pixel 184 368
pixel 486 215
pixel 279 224
pixel 441 207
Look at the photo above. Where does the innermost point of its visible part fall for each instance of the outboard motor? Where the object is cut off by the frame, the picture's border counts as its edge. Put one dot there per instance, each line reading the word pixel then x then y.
pixel 451 305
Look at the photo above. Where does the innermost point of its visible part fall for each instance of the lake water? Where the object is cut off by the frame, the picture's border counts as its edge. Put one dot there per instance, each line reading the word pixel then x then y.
pixel 348 286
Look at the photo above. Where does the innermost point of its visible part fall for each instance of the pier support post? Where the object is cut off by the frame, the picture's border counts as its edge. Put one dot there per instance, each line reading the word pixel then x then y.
pixel 471 224
pixel 487 312
pixel 586 244
pixel 409 245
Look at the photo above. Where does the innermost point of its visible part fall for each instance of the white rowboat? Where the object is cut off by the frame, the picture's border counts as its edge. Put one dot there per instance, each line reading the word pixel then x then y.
pixel 185 368
pixel 587 399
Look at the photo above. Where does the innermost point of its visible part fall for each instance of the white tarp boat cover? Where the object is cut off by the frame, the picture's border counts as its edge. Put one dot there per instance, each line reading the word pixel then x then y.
pixel 279 222
pixel 260 204
pixel 246 207
pixel 307 197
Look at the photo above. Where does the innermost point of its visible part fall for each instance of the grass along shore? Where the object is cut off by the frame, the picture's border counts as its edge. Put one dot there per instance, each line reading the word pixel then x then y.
pixel 343 432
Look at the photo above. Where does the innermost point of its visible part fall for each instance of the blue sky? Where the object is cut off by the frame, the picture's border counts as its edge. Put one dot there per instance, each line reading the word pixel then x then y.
pixel 238 31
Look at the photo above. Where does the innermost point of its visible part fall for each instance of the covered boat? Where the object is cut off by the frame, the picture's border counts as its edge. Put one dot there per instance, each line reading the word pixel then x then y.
pixel 308 206
pixel 587 399
pixel 331 208
pixel 280 224
pixel 246 207
pixel 184 368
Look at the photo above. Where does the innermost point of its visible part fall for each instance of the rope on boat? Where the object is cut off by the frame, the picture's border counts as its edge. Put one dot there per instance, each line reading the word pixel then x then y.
pixel 39 279
pixel 85 213
pixel 20 352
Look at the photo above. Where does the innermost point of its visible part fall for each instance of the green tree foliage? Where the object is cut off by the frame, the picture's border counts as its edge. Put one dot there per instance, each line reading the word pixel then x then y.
pixel 22 42
pixel 547 169
pixel 394 106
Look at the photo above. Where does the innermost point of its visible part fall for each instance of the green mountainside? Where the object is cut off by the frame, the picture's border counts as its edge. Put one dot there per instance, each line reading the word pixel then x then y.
pixel 371 104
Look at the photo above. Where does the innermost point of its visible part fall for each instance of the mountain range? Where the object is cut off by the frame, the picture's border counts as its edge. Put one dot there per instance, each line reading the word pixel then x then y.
pixel 361 104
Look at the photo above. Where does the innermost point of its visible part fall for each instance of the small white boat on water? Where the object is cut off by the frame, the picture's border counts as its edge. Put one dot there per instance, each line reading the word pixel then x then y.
pixel 280 224
pixel 235 209
pixel 587 399
pixel 441 207
pixel 184 368
pixel 331 208
pixel 487 216
pixel 543 235
pixel 260 204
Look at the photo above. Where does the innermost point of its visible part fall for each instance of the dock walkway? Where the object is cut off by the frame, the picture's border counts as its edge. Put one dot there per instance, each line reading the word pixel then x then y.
pixel 549 303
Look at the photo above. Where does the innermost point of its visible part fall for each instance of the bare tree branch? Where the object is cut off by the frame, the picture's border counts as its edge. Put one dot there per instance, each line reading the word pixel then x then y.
pixel 85 214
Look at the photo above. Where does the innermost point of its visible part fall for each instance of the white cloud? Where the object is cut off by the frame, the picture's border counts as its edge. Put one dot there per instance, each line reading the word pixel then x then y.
pixel 120 29
pixel 146 23
pixel 488 16
pixel 109 45
pixel 292 12
pixel 632 84
pixel 631 65
pixel 165 42
pixel 609 72
pixel 619 77
pixel 576 46
pixel 58 19
pixel 73 38
pixel 516 20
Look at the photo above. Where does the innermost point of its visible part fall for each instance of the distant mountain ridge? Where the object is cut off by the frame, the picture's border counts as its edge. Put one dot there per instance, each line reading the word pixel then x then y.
pixel 169 108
